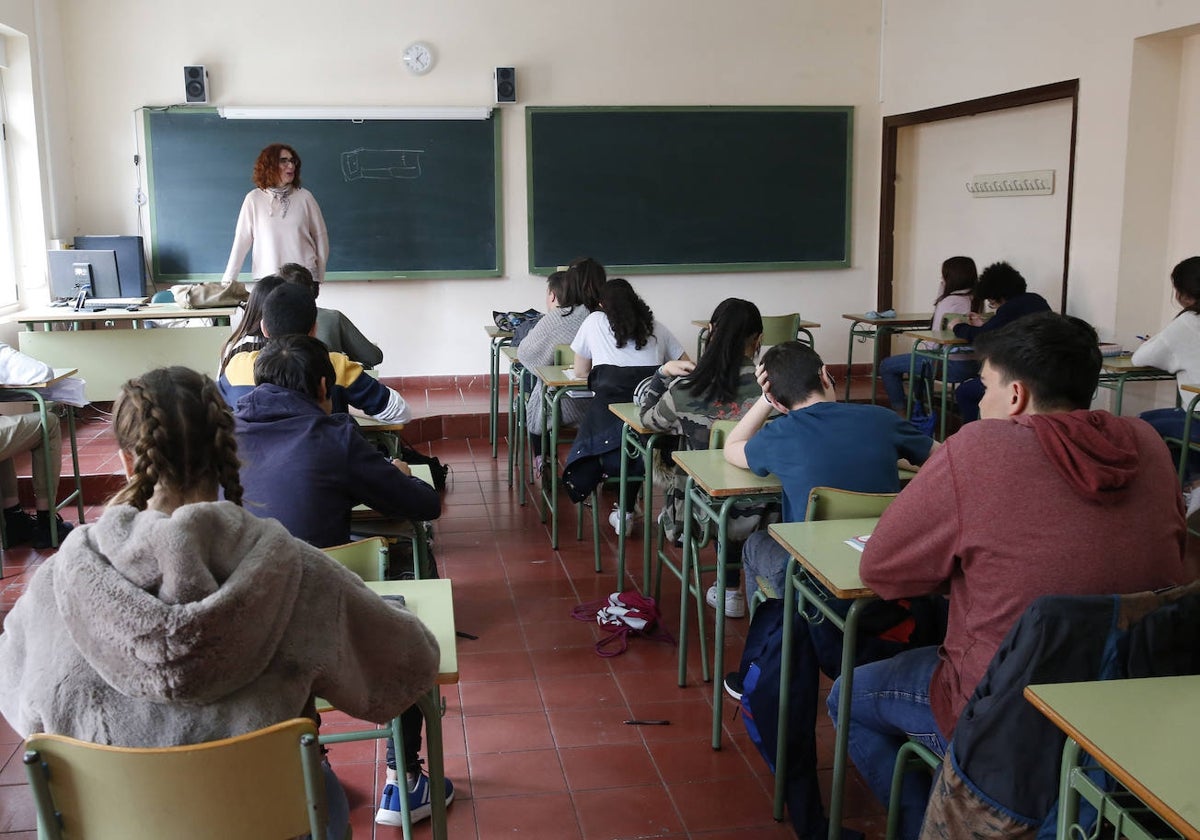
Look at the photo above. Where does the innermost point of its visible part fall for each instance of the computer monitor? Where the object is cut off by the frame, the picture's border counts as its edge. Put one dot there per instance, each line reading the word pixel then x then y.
pixel 70 270
pixel 131 260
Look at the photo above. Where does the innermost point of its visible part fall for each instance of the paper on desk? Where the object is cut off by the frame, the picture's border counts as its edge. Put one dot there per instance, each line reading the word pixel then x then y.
pixel 858 543
pixel 69 391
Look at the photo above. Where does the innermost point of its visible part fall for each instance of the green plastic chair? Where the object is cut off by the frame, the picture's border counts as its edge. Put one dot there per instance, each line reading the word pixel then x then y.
pixel 780 328
pixel 266 783
pixel 367 557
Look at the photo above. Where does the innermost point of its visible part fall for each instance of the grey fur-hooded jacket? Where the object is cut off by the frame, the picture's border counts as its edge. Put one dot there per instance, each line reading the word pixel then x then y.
pixel 155 630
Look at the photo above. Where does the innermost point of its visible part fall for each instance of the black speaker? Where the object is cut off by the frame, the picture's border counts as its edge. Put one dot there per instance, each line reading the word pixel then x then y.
pixel 506 84
pixel 195 84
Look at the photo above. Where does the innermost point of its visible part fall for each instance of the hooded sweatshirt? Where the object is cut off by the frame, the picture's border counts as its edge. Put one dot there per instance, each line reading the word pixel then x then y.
pixel 1078 503
pixel 154 630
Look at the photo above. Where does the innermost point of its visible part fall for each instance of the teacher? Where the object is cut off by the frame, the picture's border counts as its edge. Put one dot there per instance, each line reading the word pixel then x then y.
pixel 280 219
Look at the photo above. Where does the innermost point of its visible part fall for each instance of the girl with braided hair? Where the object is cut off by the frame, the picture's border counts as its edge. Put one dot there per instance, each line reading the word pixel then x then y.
pixel 178 618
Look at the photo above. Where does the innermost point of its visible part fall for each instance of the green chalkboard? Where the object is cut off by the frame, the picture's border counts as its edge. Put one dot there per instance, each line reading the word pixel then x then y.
pixel 690 189
pixel 401 198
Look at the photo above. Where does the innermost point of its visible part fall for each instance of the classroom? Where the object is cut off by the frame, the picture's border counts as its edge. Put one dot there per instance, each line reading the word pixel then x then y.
pixel 77 74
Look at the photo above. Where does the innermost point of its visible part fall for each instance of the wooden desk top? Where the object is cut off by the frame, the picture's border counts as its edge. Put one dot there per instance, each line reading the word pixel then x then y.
pixel 1142 731
pixel 945 338
pixel 1124 364
pixel 150 311
pixel 494 332
pixel 370 424
pixel 554 376
pixel 59 373
pixel 510 353
pixel 432 601
pixel 630 415
pixel 802 324
pixel 719 478
pixel 821 548
pixel 901 319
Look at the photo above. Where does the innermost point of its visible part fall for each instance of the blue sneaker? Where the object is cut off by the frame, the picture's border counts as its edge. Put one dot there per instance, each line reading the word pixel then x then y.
pixel 419 806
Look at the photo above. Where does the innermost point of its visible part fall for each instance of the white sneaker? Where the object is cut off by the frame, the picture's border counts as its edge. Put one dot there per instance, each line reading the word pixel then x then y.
pixel 614 519
pixel 735 601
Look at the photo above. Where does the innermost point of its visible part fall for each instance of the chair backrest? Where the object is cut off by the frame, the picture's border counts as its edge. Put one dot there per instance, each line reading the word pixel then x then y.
pixel 719 431
pixel 165 296
pixel 563 354
pixel 262 784
pixel 780 328
pixel 367 558
pixel 832 503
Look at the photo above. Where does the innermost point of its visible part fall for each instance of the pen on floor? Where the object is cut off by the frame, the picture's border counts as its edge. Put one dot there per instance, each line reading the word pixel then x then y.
pixel 636 722
pixel 1142 337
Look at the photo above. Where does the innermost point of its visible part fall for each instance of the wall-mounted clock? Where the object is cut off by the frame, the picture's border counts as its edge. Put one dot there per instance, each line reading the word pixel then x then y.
pixel 418 57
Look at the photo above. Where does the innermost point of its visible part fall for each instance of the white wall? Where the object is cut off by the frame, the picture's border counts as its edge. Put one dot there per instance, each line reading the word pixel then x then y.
pixel 122 54
pixel 936 52
pixel 936 217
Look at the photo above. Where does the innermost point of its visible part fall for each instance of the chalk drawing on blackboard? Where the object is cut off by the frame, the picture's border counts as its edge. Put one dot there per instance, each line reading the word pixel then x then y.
pixel 381 164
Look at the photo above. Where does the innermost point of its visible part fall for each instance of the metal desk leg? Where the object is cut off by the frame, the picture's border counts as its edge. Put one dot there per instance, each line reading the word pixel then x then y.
pixel 912 377
pixel 885 334
pixel 494 406
pixel 850 355
pixel 431 707
pixel 622 497
pixel 719 631
pixel 1068 798
pixel 650 529
pixel 1119 387
pixel 842 735
pixel 513 428
pixel 688 571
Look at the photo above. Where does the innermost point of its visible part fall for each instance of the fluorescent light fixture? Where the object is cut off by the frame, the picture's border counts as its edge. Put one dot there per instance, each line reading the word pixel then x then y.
pixel 350 112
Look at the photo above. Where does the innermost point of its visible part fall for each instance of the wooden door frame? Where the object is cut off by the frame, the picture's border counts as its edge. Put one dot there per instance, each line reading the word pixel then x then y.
pixel 999 102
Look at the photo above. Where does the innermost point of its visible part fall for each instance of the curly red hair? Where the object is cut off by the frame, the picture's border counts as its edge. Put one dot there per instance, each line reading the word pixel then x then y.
pixel 266 168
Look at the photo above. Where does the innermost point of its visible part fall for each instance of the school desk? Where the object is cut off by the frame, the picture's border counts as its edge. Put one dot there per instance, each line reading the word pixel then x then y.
pixel 820 548
pixel 108 356
pixel 380 432
pixel 432 601
pixel 1141 732
pixel 36 392
pixel 803 333
pixel 713 487
pixel 946 343
pixel 1115 371
pixel 498 338
pixel 637 441
pixel 864 326
pixel 557 382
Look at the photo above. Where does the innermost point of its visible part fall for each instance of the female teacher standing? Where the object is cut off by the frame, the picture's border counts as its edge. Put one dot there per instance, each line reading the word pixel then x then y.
pixel 280 219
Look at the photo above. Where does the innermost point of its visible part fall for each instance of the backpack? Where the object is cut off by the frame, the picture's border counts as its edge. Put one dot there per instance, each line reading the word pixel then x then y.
pixel 437 469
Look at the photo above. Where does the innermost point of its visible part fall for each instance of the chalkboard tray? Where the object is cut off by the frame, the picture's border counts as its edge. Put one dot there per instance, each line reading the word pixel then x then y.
pixel 401 198
pixel 690 189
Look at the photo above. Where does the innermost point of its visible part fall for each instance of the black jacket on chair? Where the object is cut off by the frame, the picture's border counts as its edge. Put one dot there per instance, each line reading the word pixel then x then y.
pixel 599 435
pixel 1001 773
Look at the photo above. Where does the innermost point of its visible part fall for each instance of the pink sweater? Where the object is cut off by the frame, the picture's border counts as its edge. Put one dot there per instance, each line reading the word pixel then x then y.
pixel 1083 503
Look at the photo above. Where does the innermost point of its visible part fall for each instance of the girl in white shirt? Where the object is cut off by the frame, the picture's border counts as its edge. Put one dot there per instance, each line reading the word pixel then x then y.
pixel 1177 349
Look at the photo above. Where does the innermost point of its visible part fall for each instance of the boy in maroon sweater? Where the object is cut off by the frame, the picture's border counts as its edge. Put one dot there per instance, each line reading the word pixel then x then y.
pixel 1042 497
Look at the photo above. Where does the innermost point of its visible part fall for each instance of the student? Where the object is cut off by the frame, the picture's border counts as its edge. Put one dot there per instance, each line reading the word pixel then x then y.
pixel 179 619
pixel 1177 349
pixel 686 399
pixel 308 468
pixel 956 296
pixel 21 433
pixel 615 349
pixel 1003 287
pixel 1043 497
pixel 335 330
pixel 247 335
pixel 817 442
pixel 568 294
pixel 291 310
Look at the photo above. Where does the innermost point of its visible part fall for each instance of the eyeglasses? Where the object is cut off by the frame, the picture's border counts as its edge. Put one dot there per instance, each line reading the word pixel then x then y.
pixel 284 161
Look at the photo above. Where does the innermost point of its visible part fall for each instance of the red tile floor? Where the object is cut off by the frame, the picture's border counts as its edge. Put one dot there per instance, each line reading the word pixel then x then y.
pixel 534 734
